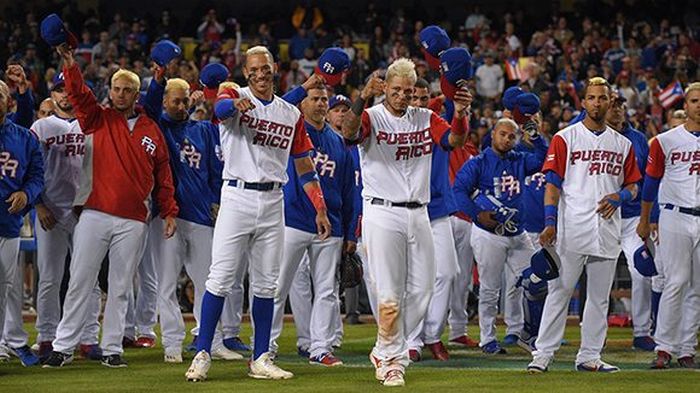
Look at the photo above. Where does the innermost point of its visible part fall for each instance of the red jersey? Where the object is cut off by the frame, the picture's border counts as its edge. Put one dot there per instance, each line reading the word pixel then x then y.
pixel 122 165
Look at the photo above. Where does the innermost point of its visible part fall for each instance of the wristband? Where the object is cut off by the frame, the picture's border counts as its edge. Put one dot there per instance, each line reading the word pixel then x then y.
pixel 625 195
pixel 308 177
pixel 550 215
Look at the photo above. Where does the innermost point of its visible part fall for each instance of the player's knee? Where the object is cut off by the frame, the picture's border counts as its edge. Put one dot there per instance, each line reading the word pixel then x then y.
pixel 216 288
pixel 389 320
pixel 268 290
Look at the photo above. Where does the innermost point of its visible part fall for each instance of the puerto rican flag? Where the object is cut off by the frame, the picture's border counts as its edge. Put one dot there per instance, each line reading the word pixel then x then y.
pixel 671 94
pixel 513 70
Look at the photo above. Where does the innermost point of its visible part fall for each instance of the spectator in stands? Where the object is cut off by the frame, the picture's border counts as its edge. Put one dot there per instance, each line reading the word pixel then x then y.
pixel 299 43
pixel 489 79
pixel 210 29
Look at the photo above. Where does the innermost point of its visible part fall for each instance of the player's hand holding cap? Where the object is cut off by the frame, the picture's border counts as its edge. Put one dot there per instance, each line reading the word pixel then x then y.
pixel 433 40
pixel 54 32
pixel 332 64
pixel 456 69
pixel 509 97
pixel 526 106
pixel 164 52
pixel 211 76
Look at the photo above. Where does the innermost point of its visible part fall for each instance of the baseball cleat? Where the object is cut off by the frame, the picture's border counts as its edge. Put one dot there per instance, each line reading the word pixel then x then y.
pixel 145 342
pixel 172 355
pixel 493 348
pixel 128 342
pixel 662 361
pixel 597 366
pixel 687 362
pixel 510 339
pixel 223 353
pixel 57 359
pixel 4 354
pixel 465 341
pixel 414 355
pixel 394 378
pixel 192 347
pixel 539 365
pixel 326 360
pixel 644 343
pixel 44 349
pixel 303 352
pixel 377 363
pixel 91 351
pixel 25 356
pixel 438 350
pixel 527 345
pixel 114 361
pixel 264 368
pixel 236 344
pixel 199 368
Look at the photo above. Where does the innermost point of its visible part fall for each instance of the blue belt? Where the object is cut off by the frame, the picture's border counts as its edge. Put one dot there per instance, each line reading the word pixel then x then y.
pixel 407 205
pixel 269 186
pixel 684 210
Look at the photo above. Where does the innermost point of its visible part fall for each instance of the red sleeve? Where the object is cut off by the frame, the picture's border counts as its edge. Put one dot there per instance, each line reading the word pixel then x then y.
pixel 632 174
pixel 438 127
pixel 227 93
pixel 301 143
pixel 365 127
pixel 656 162
pixel 556 157
pixel 87 110
pixel 165 190
pixel 435 104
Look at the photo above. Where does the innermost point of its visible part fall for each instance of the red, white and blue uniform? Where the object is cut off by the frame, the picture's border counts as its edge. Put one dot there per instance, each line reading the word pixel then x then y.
pixel 502 178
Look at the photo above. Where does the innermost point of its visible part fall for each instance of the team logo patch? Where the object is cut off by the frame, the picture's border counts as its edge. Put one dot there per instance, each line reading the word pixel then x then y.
pixel 324 165
pixel 189 154
pixel 149 145
pixel 8 165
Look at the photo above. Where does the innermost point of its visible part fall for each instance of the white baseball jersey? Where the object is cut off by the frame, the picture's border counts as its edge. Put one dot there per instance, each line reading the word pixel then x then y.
pixel 64 148
pixel 674 156
pixel 256 144
pixel 395 153
pixel 591 166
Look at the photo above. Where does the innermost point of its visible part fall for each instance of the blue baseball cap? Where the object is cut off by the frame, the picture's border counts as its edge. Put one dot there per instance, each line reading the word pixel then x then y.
pixel 510 95
pixel 213 74
pixel 57 81
pixel 526 105
pixel 54 32
pixel 164 51
pixel 644 261
pixel 332 64
pixel 339 99
pixel 545 264
pixel 456 69
pixel 433 40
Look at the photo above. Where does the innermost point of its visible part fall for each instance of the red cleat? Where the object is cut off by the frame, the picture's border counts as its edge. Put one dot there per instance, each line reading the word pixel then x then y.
pixel 128 342
pixel 145 342
pixel 45 349
pixel 439 352
pixel 662 361
pixel 465 341
pixel 414 355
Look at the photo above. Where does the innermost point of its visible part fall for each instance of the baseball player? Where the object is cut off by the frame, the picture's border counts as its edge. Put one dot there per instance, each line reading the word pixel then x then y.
pixel 641 286
pixel 395 143
pixel 259 132
pixel 125 160
pixel 590 171
pixel 21 182
pixel 46 108
pixel 196 163
pixel 63 146
pixel 672 172
pixel 441 206
pixel 497 175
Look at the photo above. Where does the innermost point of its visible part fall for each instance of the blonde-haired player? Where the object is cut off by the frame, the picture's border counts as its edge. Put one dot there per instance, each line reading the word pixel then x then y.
pixel 395 143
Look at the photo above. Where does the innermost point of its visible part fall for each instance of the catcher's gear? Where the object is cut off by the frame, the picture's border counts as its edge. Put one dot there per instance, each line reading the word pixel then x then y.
pixel 545 264
pixel 350 271
pixel 503 214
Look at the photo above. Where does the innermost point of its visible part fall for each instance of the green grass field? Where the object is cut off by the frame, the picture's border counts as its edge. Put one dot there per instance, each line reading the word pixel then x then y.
pixel 466 371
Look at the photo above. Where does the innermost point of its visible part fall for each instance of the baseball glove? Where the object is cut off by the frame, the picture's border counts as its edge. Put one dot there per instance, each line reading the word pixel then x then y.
pixel 350 271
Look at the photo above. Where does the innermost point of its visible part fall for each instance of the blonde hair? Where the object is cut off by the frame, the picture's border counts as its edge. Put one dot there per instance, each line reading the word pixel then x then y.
pixel 260 50
pixel 403 68
pixel 131 77
pixel 4 89
pixel 505 120
pixel 692 87
pixel 177 84
pixel 228 85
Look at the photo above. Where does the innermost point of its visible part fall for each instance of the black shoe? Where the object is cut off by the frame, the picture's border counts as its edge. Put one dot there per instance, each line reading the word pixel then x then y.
pixel 353 319
pixel 113 361
pixel 57 359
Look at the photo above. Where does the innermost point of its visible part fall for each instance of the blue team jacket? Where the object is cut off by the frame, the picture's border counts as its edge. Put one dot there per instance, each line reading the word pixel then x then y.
pixel 442 201
pixel 25 109
pixel 502 178
pixel 633 208
pixel 336 171
pixel 21 168
pixel 195 159
pixel 533 198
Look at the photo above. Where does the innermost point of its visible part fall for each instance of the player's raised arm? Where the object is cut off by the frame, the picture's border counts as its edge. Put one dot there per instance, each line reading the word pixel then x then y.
pixel 87 110
pixel 353 119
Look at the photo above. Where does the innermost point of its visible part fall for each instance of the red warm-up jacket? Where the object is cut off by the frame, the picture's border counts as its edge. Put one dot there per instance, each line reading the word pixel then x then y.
pixel 122 168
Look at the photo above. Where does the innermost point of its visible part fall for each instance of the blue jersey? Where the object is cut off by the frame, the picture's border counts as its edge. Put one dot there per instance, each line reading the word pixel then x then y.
pixel 442 202
pixel 500 177
pixel 195 160
pixel 633 208
pixel 21 169
pixel 336 171
pixel 25 109
pixel 533 198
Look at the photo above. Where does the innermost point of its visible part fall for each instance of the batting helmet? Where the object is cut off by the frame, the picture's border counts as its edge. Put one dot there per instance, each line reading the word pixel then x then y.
pixel 644 261
pixel 545 264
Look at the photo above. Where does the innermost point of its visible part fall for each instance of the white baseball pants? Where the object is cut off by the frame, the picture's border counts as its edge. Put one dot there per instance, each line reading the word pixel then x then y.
pixel 9 253
pixel 458 318
pixel 641 286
